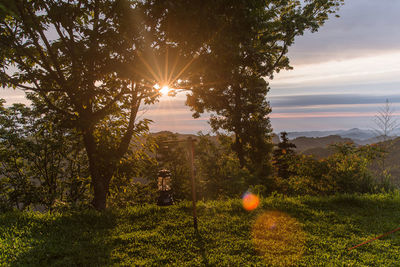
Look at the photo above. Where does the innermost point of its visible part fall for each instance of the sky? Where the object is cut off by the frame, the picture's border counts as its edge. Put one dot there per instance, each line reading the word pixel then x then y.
pixel 341 76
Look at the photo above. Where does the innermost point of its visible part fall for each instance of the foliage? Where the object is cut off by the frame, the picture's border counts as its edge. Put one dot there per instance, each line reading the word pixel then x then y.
pixel 80 60
pixel 308 177
pixel 349 168
pixel 230 47
pixel 247 117
pixel 346 171
pixel 155 236
pixel 218 169
pixel 131 194
pixel 41 163
pixel 134 180
pixel 282 156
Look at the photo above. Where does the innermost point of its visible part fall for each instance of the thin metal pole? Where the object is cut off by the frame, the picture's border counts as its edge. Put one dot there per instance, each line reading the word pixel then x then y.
pixel 366 242
pixel 191 143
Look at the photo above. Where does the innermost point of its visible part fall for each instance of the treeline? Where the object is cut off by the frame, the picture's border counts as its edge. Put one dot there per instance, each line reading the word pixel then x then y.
pixel 219 173
pixel 44 166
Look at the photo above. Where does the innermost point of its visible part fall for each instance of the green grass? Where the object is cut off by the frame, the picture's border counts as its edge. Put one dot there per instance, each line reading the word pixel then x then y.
pixel 313 231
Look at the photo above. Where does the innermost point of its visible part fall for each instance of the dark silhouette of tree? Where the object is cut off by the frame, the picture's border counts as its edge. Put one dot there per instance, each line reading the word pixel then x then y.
pixel 230 47
pixel 80 59
pixel 283 155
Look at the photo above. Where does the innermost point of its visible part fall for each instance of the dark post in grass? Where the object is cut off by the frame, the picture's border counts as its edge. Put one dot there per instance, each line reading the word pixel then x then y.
pixel 191 149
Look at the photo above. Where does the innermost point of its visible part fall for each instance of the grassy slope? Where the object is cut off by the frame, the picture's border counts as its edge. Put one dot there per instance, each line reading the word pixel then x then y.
pixel 152 235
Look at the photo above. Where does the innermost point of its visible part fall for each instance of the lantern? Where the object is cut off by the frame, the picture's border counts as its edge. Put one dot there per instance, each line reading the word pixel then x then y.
pixel 164 188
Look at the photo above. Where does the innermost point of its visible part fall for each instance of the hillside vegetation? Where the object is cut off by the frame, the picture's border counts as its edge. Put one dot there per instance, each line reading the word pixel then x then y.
pixel 305 144
pixel 305 231
pixel 321 148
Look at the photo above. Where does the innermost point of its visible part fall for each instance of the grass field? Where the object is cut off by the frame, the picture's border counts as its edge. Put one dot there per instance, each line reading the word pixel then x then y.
pixel 306 231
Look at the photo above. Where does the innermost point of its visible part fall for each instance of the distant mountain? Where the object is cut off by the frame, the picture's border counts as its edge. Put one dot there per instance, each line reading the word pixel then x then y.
pixel 304 144
pixel 214 138
pixel 359 136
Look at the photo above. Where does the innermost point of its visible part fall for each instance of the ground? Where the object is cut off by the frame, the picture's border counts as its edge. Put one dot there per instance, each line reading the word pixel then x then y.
pixel 304 231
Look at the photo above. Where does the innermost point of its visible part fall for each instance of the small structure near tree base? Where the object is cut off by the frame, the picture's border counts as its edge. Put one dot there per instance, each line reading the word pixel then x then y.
pixel 164 188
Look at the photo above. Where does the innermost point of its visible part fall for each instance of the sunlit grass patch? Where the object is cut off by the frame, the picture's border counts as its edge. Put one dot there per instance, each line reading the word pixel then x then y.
pixel 278 238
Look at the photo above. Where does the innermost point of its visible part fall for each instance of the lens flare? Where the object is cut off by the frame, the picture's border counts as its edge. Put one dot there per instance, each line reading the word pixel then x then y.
pixel 250 201
pixel 278 238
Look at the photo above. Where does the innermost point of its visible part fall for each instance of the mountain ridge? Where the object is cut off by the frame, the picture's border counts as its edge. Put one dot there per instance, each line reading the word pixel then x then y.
pixel 359 136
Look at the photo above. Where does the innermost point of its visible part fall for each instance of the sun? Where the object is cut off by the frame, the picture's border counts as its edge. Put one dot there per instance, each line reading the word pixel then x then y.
pixel 163 90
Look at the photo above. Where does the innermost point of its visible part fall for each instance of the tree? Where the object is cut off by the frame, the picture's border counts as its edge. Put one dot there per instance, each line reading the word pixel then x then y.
pixel 41 163
pixel 80 59
pixel 385 123
pixel 247 117
pixel 229 47
pixel 218 169
pixel 283 155
pixel 345 171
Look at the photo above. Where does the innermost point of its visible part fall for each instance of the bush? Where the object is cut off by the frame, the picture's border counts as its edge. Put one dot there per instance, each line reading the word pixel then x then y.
pixel 346 171
pixel 219 170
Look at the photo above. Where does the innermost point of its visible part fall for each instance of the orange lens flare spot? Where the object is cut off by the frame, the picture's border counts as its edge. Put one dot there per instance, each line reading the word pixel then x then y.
pixel 250 201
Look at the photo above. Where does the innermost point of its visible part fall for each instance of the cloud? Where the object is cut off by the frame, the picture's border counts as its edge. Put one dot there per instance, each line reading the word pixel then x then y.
pixel 378 69
pixel 328 111
pixel 365 27
pixel 302 115
pixel 338 100
pixel 320 123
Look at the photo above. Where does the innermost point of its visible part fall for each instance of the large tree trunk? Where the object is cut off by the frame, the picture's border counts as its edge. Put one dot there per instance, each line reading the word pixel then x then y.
pixel 101 170
pixel 100 184
pixel 238 148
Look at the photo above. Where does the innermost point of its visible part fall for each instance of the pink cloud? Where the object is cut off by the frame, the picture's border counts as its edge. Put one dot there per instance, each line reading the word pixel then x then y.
pixel 325 115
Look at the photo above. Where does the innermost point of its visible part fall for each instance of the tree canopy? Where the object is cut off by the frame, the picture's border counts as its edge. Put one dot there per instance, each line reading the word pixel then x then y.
pixel 80 59
pixel 231 48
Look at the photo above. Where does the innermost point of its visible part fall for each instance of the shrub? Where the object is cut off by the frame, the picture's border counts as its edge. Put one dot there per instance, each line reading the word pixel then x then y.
pixel 346 171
